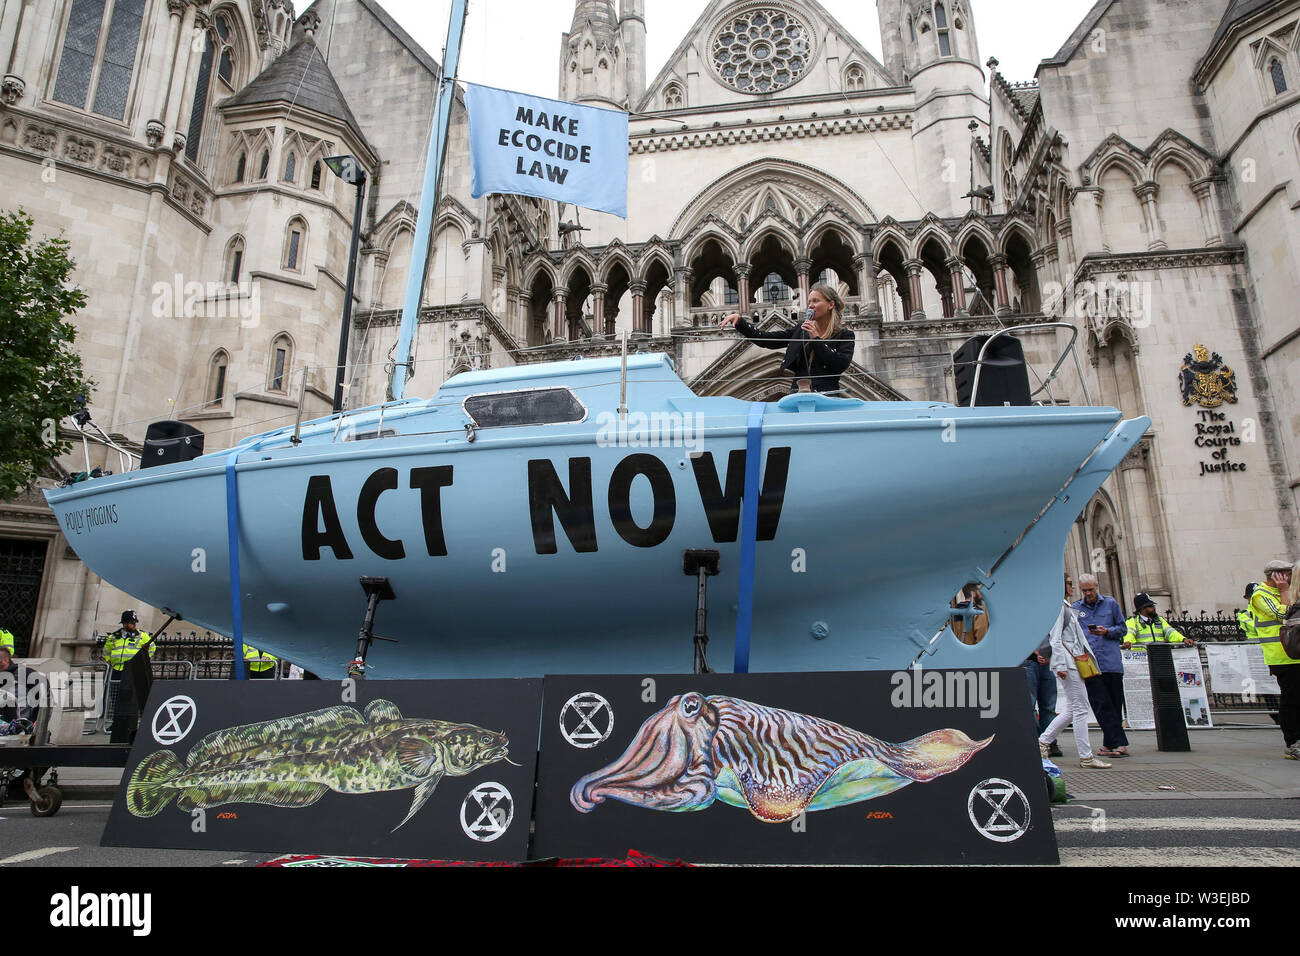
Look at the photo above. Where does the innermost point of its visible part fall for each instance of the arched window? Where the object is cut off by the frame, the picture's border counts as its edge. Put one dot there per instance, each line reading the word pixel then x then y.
pixel 281 364
pixel 241 166
pixel 212 84
pixel 855 78
pixel 291 167
pixel 1278 73
pixel 315 174
pixel 217 369
pixel 234 259
pixel 295 244
pixel 264 165
pixel 672 97
pixel 101 41
pixel 941 21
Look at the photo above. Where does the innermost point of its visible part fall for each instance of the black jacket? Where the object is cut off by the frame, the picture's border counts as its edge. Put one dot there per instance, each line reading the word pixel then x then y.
pixel 821 360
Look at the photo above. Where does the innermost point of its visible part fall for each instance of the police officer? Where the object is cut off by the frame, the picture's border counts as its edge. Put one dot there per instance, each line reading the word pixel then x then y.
pixel 1268 607
pixel 260 665
pixel 119 648
pixel 1245 619
pixel 1146 626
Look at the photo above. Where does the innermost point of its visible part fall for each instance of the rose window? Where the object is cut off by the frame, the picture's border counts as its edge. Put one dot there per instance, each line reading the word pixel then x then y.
pixel 762 51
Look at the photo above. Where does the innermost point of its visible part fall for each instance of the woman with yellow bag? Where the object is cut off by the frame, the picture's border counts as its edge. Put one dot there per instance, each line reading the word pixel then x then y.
pixel 1073 662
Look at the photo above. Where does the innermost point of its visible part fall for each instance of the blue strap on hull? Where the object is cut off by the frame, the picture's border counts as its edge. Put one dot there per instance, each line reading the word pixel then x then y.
pixel 749 535
pixel 232 537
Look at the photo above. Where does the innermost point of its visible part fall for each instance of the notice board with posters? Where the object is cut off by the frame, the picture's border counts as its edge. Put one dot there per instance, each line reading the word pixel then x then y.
pixel 1191 689
pixel 919 767
pixel 410 769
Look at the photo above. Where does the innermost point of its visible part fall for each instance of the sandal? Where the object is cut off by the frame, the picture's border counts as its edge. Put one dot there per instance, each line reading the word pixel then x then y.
pixel 1104 752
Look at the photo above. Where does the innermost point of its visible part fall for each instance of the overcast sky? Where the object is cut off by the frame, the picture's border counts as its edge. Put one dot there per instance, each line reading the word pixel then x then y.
pixel 515 43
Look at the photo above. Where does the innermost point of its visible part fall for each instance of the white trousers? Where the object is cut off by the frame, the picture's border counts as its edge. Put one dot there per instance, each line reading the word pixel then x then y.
pixel 1077 698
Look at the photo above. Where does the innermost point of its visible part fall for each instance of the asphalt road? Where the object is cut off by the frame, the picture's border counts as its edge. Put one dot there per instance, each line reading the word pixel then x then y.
pixel 1167 833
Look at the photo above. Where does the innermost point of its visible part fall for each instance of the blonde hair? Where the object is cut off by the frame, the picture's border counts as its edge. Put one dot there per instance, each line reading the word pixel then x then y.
pixel 837 306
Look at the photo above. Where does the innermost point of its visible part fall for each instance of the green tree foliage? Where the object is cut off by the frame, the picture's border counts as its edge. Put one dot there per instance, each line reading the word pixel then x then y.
pixel 40 373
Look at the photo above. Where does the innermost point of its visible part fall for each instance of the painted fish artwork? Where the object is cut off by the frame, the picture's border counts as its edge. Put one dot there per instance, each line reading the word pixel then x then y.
pixel 775 763
pixel 294 761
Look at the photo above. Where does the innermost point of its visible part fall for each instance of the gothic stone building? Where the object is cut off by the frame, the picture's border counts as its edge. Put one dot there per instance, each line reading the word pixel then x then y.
pixel 1138 190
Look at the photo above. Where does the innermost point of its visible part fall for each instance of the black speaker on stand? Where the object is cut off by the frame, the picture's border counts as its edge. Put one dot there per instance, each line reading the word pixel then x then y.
pixel 1005 376
pixel 167 443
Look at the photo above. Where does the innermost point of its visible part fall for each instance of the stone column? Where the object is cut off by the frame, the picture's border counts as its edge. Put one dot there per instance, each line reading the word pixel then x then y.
pixel 1141 515
pixel 34 20
pixel 189 39
pixel 519 318
pixel 958 285
pixel 1147 193
pixel 637 287
pixel 499 304
pixel 1039 262
pixel 914 268
pixel 999 262
pixel 10 18
pixel 560 314
pixel 867 291
pixel 598 291
pixel 156 127
pixel 1203 190
pixel 802 267
pixel 743 269
pixel 1065 229
pixel 682 290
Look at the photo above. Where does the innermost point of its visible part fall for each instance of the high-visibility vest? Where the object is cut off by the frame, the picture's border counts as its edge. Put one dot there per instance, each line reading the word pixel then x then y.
pixel 258 660
pixel 1268 611
pixel 1246 621
pixel 122 645
pixel 1142 632
pixel 6 640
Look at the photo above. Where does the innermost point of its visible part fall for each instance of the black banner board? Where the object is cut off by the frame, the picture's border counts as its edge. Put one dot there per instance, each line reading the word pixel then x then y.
pixel 409 769
pixel 913 767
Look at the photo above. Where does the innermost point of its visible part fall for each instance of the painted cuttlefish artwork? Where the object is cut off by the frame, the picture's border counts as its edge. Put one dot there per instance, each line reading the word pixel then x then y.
pixel 775 763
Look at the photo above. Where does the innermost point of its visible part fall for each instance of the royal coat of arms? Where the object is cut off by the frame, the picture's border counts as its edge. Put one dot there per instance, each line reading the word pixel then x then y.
pixel 1205 380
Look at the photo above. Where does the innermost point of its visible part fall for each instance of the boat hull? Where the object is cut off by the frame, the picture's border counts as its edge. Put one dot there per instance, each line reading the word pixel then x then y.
pixel 871 521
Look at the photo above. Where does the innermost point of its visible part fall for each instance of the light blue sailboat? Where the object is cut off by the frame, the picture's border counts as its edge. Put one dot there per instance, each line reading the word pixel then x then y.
pixel 533 520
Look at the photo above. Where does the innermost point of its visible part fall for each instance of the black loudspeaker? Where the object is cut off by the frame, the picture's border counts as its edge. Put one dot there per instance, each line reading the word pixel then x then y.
pixel 167 443
pixel 1005 379
pixel 1171 724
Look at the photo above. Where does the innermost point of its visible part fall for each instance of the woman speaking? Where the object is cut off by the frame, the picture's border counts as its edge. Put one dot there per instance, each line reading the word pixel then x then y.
pixel 816 353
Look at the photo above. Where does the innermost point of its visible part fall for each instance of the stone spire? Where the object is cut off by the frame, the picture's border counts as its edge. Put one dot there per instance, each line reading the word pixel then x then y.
pixel 593 61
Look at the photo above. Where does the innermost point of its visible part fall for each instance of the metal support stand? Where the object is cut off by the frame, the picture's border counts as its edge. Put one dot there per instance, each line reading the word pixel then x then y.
pixel 377 589
pixel 702 564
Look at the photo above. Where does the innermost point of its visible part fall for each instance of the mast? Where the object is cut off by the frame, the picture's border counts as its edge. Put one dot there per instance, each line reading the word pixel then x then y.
pixel 428 199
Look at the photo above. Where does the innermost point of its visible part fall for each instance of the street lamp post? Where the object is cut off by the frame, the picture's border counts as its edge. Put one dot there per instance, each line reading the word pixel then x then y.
pixel 349 170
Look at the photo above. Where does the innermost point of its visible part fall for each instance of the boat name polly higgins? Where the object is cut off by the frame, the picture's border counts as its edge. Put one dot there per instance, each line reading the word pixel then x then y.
pixel 88 519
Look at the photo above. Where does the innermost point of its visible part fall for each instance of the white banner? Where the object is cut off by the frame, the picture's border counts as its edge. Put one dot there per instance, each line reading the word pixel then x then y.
pixel 1239 669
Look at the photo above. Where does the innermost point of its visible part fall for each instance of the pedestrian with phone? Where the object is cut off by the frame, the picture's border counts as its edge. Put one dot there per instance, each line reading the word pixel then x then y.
pixel 1103 623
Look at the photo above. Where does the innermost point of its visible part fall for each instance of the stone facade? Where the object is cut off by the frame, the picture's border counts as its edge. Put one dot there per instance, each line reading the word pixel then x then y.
pixel 1139 190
